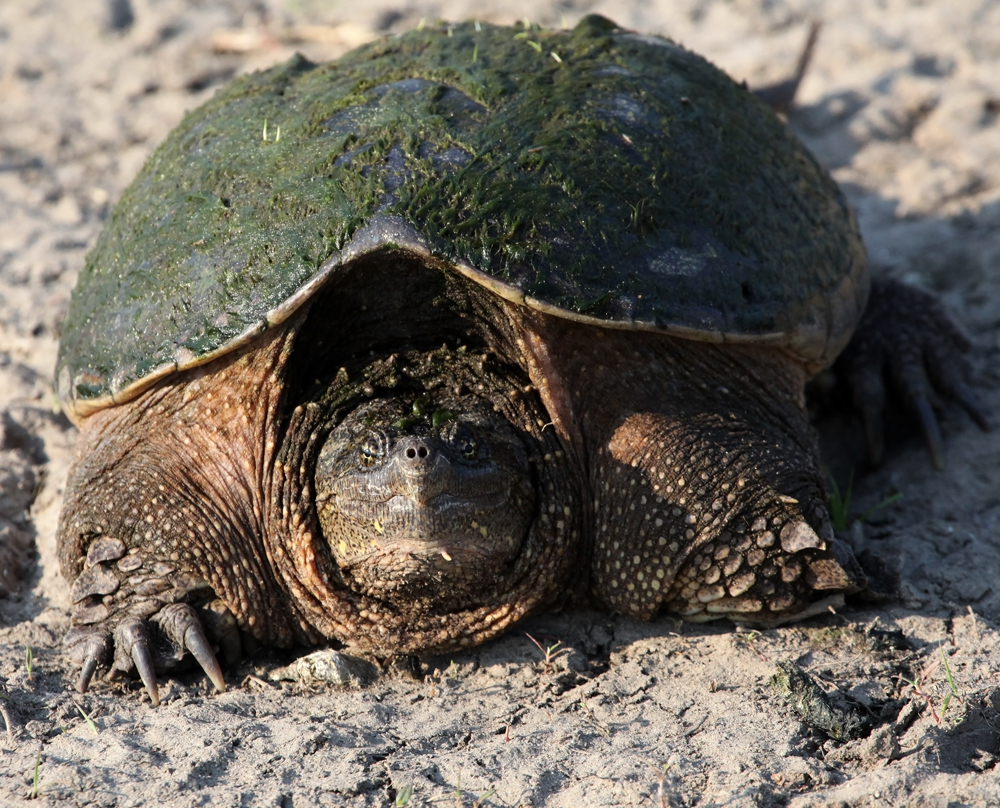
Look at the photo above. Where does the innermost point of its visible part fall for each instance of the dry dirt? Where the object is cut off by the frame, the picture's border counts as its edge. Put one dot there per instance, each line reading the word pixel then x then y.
pixel 902 104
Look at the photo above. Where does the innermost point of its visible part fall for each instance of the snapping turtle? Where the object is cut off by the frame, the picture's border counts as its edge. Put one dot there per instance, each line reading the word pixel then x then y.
pixel 396 350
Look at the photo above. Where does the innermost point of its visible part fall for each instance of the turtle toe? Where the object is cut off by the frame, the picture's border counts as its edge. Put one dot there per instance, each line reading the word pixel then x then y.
pixel 91 648
pixel 133 653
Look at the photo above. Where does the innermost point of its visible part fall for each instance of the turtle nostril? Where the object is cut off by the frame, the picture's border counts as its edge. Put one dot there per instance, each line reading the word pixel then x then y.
pixel 415 453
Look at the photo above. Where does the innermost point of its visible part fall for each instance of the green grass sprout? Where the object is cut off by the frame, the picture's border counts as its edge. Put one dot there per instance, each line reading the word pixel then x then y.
pixel 840 504
pixel 552 653
pixel 88 719
pixel 404 795
pixel 34 782
pixel 951 684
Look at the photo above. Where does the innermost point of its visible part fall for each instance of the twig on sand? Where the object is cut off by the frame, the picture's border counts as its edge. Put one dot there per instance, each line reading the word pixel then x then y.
pixel 4 698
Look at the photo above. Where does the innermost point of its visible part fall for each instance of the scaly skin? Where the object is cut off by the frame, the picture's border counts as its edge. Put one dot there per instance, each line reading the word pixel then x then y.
pixel 201 494
pixel 683 475
pixel 165 504
pixel 206 514
pixel 707 493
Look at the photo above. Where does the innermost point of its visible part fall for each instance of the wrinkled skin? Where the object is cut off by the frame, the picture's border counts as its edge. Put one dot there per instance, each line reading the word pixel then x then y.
pixel 398 498
pixel 415 510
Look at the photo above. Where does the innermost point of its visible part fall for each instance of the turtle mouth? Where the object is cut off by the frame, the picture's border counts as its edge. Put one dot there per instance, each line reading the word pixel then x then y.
pixel 443 555
pixel 419 509
pixel 445 526
pixel 434 551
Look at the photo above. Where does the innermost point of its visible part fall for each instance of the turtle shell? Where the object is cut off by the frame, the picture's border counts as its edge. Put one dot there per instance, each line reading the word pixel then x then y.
pixel 597 174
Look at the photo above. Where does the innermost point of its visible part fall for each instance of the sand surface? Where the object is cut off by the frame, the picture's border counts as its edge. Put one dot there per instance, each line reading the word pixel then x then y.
pixel 902 104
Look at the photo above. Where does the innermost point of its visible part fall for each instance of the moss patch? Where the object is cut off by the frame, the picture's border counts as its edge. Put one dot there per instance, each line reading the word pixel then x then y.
pixel 626 179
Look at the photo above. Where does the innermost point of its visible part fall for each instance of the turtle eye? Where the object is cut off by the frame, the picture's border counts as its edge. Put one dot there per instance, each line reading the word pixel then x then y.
pixel 466 443
pixel 370 452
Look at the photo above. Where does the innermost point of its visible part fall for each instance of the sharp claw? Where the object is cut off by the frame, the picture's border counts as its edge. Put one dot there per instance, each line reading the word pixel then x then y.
pixel 196 642
pixel 89 666
pixel 932 433
pixel 971 404
pixel 182 626
pixel 143 660
pixel 97 653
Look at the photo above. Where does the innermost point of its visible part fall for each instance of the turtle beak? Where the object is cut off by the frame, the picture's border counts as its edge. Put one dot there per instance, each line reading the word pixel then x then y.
pixel 418 469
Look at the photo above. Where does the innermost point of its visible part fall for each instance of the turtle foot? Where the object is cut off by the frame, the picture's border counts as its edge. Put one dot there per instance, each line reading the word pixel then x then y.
pixel 161 643
pixel 907 339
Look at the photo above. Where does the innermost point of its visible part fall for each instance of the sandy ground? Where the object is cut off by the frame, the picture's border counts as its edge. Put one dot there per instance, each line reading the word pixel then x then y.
pixel 902 104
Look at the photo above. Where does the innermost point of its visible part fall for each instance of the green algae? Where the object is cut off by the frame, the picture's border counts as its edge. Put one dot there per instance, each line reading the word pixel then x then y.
pixel 629 179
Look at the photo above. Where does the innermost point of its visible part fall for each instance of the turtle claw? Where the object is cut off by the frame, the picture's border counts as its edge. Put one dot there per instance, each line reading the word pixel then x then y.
pixel 143 660
pixel 132 651
pixel 932 432
pixel 91 648
pixel 197 643
pixel 98 652
pixel 183 628
pixel 87 673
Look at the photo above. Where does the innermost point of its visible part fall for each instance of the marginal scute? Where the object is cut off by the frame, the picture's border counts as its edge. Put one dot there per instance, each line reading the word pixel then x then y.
pixel 97 580
pixel 105 548
pixel 797 536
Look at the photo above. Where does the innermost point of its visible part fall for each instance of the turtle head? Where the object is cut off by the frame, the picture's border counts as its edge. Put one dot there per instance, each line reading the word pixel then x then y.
pixel 422 500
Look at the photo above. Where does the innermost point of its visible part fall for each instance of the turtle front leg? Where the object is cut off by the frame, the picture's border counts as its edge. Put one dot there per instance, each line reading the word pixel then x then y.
pixel 705 519
pixel 708 498
pixel 161 533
